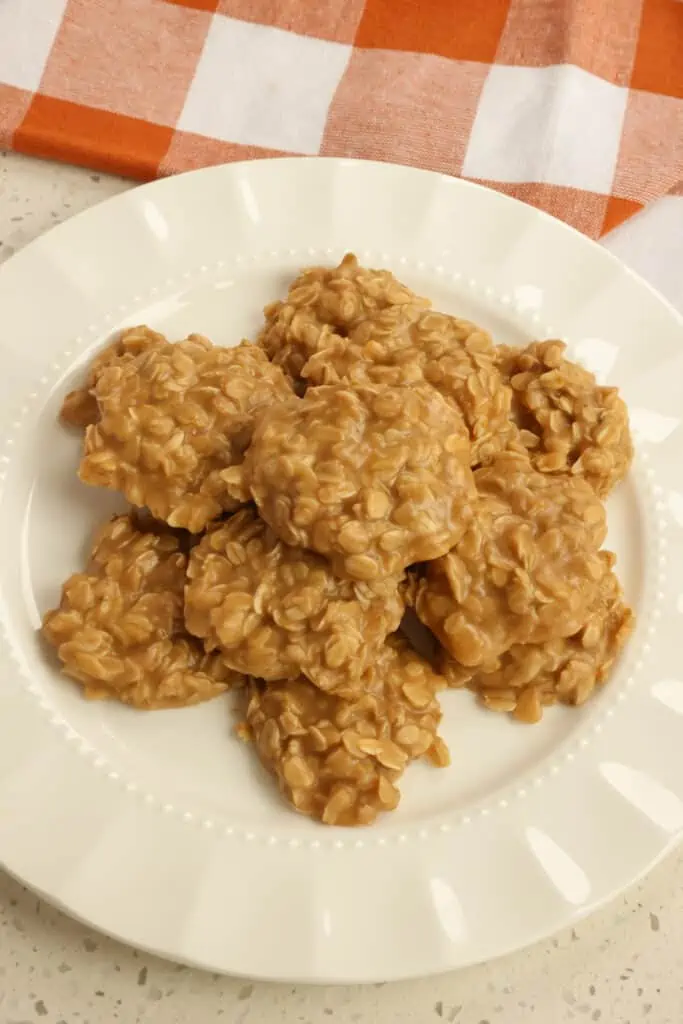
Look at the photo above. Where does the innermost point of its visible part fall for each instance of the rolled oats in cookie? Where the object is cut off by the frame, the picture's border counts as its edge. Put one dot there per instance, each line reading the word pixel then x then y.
pixel 172 419
pixel 79 408
pixel 529 677
pixel 340 760
pixel 526 569
pixel 276 611
pixel 405 345
pixel 569 423
pixel 370 504
pixel 376 479
pixel 323 302
pixel 119 631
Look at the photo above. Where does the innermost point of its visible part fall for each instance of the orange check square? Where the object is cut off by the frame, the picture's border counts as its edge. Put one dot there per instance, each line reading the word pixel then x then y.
pixel 94 138
pixel 618 210
pixel 135 57
pixel 335 20
pixel 659 58
pixel 13 105
pixel 650 161
pixel 188 151
pixel 600 38
pixel 410 108
pixel 460 29
pixel 196 5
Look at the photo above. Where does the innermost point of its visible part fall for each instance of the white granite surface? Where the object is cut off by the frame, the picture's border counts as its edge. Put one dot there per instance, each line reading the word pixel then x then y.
pixel 623 965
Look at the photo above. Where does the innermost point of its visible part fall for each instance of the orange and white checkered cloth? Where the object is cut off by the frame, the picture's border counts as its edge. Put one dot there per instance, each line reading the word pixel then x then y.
pixel 575 106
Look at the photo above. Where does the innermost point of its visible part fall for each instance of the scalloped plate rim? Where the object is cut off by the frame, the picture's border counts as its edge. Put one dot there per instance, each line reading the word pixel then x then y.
pixel 280 167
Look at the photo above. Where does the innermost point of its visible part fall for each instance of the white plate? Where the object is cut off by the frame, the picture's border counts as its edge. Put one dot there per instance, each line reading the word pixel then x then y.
pixel 160 828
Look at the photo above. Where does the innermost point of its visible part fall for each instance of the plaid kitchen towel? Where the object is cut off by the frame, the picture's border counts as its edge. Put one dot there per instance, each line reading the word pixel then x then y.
pixel 575 106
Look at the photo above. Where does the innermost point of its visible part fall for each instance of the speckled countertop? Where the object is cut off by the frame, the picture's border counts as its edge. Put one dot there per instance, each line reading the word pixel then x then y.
pixel 622 966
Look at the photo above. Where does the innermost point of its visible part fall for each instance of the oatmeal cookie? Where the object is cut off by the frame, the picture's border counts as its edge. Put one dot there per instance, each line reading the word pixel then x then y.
pixel 526 569
pixel 529 677
pixel 276 611
pixel 401 345
pixel 79 408
pixel 323 302
pixel 375 479
pixel 339 760
pixel 569 423
pixel 172 419
pixel 119 628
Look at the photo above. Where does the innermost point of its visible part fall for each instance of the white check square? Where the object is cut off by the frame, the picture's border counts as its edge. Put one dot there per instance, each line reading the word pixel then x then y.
pixel 261 86
pixel 558 125
pixel 27 32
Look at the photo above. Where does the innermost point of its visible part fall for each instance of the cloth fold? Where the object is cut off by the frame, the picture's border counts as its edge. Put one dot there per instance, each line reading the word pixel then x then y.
pixel 575 106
